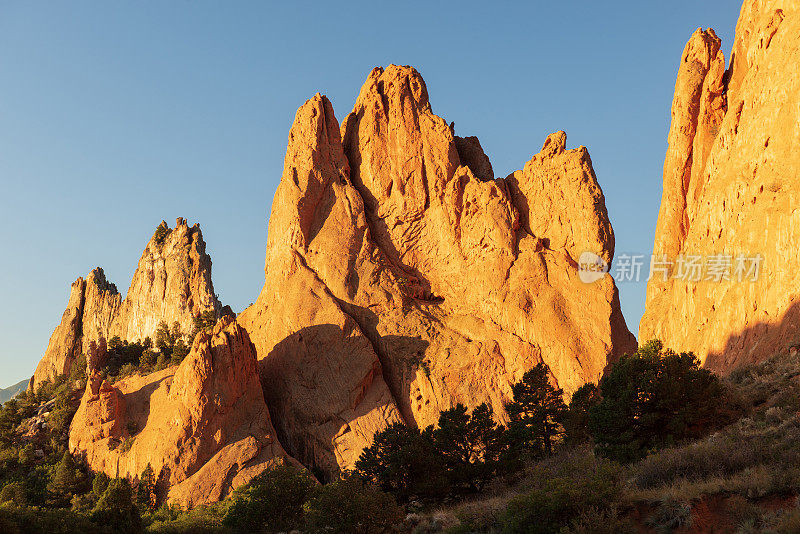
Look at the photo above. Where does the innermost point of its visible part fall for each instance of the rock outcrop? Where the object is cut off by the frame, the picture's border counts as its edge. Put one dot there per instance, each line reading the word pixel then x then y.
pixel 729 195
pixel 172 283
pixel 202 426
pixel 64 345
pixel 402 278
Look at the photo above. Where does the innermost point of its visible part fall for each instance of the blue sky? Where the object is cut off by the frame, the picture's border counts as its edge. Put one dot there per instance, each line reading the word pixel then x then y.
pixel 116 115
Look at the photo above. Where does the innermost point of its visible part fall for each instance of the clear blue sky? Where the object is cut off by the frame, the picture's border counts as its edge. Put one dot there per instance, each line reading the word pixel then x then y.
pixel 116 115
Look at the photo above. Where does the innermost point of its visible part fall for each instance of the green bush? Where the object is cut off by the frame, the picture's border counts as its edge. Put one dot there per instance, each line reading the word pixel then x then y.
pixel 562 489
pixel 206 321
pixel 100 484
pixel 653 399
pixel 200 520
pixel 273 501
pixel 146 490
pixel 350 506
pixel 60 419
pixel 148 360
pixel 67 479
pixel 594 520
pixel 577 420
pixel 14 492
pixel 404 461
pixel 115 509
pixel 27 454
pixel 470 445
pixel 83 503
pixel 161 233
pixel 179 351
pixel 15 520
pixel 669 516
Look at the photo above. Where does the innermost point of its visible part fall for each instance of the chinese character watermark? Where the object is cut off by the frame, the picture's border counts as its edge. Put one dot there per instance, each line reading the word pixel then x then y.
pixel 716 268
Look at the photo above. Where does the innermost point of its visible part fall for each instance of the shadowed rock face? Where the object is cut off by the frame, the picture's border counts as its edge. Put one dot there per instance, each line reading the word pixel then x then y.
pixel 172 283
pixel 202 426
pixel 401 278
pixel 730 188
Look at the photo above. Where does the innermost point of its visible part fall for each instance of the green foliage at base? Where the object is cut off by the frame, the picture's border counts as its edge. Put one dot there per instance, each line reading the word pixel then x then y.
pixel 653 399
pixel 273 500
pixel 115 508
pixel 576 486
pixel 350 506
pixel 636 441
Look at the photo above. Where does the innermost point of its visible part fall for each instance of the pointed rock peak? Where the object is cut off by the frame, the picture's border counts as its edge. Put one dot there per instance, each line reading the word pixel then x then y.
pixel 172 283
pixel 555 143
pixel 314 142
pixel 729 185
pixel 221 363
pixel 702 47
pixel 181 225
pixel 98 278
pixel 395 83
pixel 64 345
pixel 314 160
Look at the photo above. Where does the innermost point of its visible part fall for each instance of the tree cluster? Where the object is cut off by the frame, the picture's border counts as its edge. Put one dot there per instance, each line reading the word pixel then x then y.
pixel 465 450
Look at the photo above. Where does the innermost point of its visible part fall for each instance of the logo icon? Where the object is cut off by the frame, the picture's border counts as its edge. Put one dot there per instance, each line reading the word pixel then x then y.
pixel 591 267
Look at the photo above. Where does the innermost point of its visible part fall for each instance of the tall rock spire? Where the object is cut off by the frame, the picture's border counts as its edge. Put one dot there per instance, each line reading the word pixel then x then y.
pixel 172 283
pixel 399 282
pixel 730 195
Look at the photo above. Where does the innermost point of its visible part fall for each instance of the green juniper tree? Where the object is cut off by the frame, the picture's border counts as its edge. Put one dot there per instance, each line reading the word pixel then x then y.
pixel 537 412
pixel 115 508
pixel 577 422
pixel 404 461
pixel 470 445
pixel 145 493
pixel 652 399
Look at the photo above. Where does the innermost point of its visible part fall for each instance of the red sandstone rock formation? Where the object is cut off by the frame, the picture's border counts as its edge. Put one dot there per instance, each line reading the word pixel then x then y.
pixel 172 283
pixel 730 185
pixel 202 426
pixel 401 278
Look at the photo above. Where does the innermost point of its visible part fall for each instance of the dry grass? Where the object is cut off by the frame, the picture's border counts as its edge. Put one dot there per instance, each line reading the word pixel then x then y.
pixel 755 458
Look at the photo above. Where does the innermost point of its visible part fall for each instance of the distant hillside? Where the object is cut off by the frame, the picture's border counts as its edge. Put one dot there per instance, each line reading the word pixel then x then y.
pixel 11 391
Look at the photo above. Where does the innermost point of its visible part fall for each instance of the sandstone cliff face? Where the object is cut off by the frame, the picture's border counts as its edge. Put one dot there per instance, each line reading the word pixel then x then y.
pixel 65 340
pixel 401 278
pixel 202 426
pixel 172 283
pixel 730 188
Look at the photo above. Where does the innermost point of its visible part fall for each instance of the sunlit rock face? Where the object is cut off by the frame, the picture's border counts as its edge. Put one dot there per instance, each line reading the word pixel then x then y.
pixel 402 277
pixel 172 283
pixel 202 426
pixel 730 195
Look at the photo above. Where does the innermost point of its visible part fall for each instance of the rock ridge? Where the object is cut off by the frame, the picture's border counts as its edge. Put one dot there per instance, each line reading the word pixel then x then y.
pixel 398 274
pixel 172 283
pixel 202 426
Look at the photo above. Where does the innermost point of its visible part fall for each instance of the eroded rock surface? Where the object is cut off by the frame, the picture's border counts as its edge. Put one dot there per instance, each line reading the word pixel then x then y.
pixel 731 189
pixel 202 426
pixel 401 278
pixel 172 283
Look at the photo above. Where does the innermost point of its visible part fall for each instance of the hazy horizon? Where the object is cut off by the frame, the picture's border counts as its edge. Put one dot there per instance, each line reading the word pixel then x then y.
pixel 118 116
